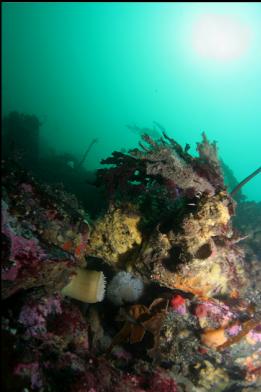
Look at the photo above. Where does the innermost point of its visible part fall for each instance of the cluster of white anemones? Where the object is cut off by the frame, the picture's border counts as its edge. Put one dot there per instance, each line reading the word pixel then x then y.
pixel 124 287
pixel 89 286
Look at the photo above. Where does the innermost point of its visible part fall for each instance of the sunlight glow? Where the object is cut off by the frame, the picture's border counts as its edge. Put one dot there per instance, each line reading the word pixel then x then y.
pixel 220 37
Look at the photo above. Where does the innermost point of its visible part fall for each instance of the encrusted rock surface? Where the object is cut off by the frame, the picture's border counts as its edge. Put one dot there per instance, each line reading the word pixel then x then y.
pixel 195 325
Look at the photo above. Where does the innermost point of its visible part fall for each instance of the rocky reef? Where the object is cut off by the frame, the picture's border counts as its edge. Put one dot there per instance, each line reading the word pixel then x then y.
pixel 180 258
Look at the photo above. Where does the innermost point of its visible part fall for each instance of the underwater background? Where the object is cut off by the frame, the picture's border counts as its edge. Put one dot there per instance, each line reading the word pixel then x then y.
pixel 89 70
pixel 131 251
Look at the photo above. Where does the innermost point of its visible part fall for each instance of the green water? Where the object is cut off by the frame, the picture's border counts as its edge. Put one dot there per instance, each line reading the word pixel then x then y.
pixel 89 69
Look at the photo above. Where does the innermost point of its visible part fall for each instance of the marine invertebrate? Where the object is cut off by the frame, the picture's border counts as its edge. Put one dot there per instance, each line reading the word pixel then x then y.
pixel 247 327
pixel 197 255
pixel 34 314
pixel 219 274
pixel 44 233
pixel 212 378
pixel 126 177
pixel 190 247
pixel 139 319
pixel 87 286
pixel 178 303
pixel 214 338
pixel 163 163
pixel 213 314
pixel 115 234
pixel 208 163
pixel 133 330
pixel 124 288
pixel 161 382
pixel 167 159
pixel 33 371
pixel 29 262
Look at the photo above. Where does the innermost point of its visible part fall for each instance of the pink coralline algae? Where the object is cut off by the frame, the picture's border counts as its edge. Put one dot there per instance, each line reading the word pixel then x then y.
pixel 23 251
pixel 33 371
pixel 161 383
pixel 202 327
pixel 158 381
pixel 27 187
pixel 34 314
pixel 28 260
pixel 71 326
pixel 234 330
pixel 213 313
pixel 255 334
pixel 30 265
pixel 48 319
pixel 103 378
pixel 44 233
pixel 53 336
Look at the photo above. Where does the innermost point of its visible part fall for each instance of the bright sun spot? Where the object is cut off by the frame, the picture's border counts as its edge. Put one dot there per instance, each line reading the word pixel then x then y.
pixel 220 37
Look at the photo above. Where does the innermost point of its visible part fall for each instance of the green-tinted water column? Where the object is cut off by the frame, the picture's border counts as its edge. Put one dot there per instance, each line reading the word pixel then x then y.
pixel 89 69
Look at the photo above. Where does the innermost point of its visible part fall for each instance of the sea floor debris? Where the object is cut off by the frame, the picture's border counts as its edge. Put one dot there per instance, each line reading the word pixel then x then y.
pixel 173 233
